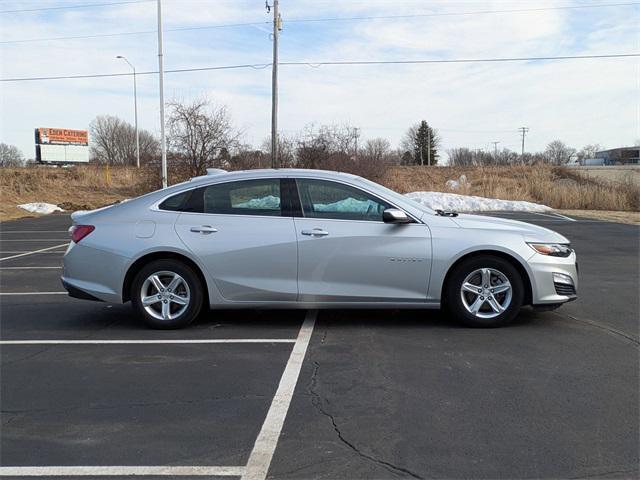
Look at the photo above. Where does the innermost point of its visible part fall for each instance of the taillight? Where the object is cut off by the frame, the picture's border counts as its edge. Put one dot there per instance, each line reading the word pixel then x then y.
pixel 78 232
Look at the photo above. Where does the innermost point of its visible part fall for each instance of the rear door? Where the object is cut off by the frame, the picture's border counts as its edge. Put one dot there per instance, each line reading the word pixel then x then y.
pixel 245 238
pixel 346 253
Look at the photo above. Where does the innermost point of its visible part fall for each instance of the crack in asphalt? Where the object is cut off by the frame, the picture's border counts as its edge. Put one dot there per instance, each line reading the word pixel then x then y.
pixel 610 330
pixel 599 474
pixel 316 401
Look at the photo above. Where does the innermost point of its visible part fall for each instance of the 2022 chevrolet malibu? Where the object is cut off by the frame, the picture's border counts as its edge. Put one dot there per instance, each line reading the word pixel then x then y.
pixel 310 239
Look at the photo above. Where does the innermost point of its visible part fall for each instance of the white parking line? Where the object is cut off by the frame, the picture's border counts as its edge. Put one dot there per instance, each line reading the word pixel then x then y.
pixel 120 471
pixel 32 240
pixel 15 294
pixel 33 231
pixel 28 251
pixel 30 268
pixel 146 342
pixel 556 215
pixel 34 251
pixel 265 446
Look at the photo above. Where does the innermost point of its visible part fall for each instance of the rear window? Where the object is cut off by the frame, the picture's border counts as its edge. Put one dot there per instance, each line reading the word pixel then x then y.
pixel 248 197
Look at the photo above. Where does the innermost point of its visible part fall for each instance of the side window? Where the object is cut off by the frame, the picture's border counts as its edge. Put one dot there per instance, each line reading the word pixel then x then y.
pixel 248 197
pixel 176 203
pixel 325 199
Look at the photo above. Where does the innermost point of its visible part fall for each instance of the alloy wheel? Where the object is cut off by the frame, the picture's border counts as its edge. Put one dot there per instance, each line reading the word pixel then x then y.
pixel 486 293
pixel 165 295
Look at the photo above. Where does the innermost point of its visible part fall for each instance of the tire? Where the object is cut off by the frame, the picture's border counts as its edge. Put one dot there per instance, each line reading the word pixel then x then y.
pixel 495 306
pixel 170 308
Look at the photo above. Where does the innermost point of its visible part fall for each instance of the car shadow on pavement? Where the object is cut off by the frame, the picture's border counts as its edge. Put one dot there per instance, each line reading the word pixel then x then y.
pixel 422 319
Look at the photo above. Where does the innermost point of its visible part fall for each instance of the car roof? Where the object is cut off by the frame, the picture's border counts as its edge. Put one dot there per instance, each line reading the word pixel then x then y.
pixel 270 173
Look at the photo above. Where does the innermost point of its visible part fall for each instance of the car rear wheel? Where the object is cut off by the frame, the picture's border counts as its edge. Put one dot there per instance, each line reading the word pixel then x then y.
pixel 167 294
pixel 485 291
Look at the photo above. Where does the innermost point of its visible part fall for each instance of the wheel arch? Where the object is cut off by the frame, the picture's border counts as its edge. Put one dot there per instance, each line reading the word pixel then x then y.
pixel 161 255
pixel 524 274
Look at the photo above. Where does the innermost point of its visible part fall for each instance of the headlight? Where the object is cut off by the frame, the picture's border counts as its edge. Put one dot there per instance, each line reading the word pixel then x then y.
pixel 552 249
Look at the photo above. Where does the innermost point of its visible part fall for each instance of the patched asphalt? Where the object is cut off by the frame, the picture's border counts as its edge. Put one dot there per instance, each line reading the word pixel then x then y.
pixel 381 394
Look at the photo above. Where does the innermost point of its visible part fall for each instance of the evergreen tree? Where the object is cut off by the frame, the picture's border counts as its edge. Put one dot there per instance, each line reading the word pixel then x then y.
pixel 425 141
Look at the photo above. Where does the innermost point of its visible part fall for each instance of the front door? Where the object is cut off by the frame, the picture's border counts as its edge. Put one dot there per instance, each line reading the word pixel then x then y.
pixel 346 253
pixel 244 240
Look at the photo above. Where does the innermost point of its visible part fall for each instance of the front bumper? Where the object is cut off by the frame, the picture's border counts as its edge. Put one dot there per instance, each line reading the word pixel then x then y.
pixel 554 280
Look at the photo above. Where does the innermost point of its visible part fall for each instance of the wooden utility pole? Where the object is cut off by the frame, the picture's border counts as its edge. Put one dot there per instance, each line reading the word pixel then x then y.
pixel 428 145
pixel 277 26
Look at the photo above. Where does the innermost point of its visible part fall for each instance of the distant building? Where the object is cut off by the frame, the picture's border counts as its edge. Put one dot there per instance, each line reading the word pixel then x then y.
pixel 620 156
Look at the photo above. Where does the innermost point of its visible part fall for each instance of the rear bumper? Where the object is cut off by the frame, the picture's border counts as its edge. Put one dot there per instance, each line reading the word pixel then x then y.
pixel 78 293
pixel 93 274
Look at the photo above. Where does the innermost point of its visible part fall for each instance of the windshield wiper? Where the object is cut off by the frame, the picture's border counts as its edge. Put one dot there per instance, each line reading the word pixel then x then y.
pixel 446 213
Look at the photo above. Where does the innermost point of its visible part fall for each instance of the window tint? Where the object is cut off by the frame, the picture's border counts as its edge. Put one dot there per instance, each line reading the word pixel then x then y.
pixel 249 197
pixel 324 199
pixel 176 203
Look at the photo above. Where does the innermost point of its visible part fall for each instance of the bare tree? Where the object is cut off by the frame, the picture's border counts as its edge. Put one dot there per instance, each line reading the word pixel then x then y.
pixel 589 151
pixel 245 158
pixel 377 150
pixel 286 150
pixel 461 157
pixel 113 141
pixel 558 153
pixel 198 131
pixel 10 156
pixel 327 146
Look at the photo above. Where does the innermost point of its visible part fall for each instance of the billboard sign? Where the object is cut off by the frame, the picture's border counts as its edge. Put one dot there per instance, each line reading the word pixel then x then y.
pixel 61 136
pixel 62 145
pixel 62 153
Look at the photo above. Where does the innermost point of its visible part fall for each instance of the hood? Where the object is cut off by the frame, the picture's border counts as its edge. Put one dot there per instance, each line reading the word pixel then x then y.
pixel 531 233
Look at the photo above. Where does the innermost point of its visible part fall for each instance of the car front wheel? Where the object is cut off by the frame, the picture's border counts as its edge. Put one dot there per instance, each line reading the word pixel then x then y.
pixel 485 291
pixel 167 294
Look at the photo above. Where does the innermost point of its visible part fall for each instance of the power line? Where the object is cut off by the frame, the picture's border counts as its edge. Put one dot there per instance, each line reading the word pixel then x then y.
pixel 84 5
pixel 141 32
pixel 451 14
pixel 260 66
pixel 311 20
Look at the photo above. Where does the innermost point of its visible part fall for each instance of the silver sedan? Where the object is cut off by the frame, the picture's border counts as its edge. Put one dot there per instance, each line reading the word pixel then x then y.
pixel 310 239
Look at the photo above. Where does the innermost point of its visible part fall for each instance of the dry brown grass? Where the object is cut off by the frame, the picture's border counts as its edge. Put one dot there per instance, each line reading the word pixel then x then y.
pixel 556 187
pixel 85 187
pixel 82 187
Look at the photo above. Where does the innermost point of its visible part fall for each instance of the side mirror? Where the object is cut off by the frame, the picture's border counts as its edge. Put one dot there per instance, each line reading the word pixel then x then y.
pixel 393 215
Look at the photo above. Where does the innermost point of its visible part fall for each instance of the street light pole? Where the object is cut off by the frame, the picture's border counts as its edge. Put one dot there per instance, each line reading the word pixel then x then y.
pixel 163 145
pixel 135 108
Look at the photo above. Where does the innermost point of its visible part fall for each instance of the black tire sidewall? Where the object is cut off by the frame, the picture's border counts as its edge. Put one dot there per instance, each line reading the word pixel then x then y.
pixel 454 302
pixel 195 289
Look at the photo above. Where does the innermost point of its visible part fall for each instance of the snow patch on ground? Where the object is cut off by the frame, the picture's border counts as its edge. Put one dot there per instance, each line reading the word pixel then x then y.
pixel 469 203
pixel 456 184
pixel 40 207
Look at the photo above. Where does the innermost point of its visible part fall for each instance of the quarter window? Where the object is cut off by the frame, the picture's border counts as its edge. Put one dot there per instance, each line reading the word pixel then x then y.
pixel 176 203
pixel 249 197
pixel 324 199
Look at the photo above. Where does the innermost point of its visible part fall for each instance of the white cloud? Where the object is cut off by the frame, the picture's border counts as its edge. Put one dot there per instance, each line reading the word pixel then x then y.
pixel 579 101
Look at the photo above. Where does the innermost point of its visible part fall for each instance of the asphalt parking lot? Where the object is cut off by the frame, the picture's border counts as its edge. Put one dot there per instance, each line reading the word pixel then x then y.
pixel 86 390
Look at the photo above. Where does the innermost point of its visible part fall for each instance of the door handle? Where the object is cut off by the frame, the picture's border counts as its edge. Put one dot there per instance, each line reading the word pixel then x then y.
pixel 205 229
pixel 316 232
